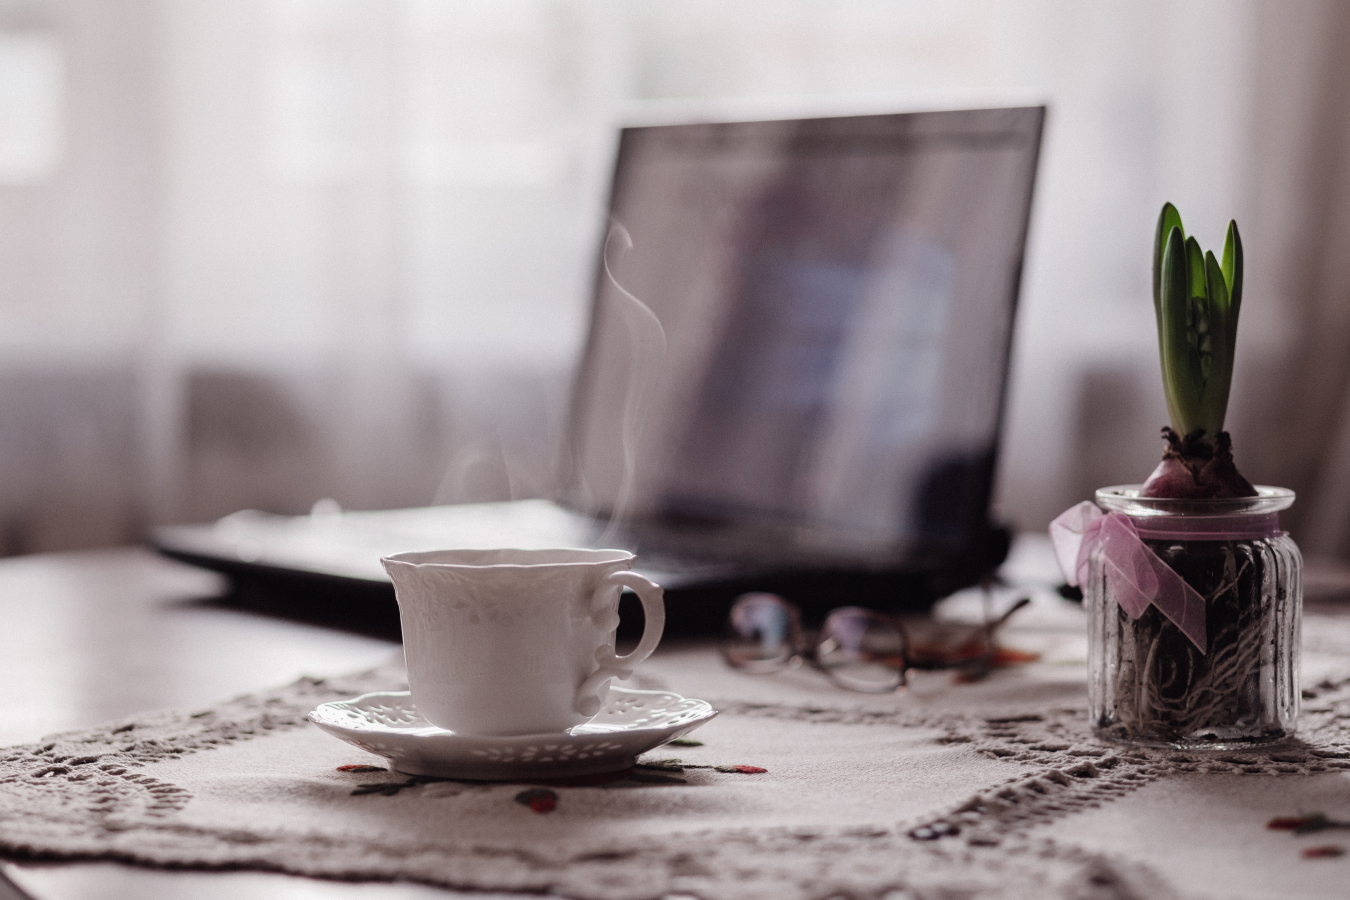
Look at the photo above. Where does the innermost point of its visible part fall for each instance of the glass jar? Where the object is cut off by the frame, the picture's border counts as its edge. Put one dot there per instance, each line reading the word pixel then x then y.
pixel 1150 683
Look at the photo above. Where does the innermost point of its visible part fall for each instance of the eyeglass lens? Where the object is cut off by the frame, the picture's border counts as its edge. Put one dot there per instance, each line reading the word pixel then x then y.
pixel 862 651
pixel 763 633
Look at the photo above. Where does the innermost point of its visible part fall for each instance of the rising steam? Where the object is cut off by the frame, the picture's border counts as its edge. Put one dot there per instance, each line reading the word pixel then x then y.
pixel 647 353
pixel 481 470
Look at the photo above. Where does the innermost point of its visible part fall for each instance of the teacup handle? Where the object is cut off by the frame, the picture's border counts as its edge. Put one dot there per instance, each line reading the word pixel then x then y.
pixel 612 665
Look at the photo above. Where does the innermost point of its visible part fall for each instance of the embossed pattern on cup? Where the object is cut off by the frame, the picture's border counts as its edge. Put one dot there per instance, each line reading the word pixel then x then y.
pixel 516 641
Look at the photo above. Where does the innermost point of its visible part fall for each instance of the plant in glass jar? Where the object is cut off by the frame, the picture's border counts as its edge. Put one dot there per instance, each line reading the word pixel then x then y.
pixel 1196 301
pixel 1193 591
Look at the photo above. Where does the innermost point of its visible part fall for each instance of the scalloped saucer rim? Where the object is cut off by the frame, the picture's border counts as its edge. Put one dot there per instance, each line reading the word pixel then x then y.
pixel 387 724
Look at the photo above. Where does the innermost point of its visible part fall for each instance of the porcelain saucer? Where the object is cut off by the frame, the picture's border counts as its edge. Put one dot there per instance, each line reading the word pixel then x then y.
pixel 630 722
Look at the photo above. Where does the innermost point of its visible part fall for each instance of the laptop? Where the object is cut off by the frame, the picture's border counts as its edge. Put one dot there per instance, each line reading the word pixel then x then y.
pixel 793 379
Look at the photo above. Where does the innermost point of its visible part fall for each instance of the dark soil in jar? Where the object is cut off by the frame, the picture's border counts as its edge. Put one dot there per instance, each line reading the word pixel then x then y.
pixel 1167 690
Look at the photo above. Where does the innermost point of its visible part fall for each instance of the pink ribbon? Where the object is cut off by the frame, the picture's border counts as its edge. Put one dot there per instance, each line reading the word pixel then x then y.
pixel 1134 573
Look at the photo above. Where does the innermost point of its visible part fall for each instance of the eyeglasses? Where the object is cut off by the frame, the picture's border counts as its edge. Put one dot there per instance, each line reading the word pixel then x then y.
pixel 858 649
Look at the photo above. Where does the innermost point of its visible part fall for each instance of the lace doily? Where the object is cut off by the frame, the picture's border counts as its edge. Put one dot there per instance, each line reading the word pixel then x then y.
pixel 249 784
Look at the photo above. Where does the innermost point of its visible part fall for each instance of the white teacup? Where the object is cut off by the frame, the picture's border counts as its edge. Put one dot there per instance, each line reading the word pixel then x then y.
pixel 516 641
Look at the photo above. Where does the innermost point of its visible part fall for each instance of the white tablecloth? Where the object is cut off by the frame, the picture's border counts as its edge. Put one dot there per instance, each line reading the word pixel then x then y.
pixel 1033 805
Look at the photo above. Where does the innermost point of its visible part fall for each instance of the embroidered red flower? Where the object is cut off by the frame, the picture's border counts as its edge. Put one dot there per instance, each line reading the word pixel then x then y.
pixel 1305 824
pixel 744 770
pixel 539 800
pixel 1286 823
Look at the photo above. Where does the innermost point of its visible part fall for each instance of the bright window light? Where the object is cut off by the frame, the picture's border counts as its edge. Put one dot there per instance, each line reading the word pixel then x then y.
pixel 31 80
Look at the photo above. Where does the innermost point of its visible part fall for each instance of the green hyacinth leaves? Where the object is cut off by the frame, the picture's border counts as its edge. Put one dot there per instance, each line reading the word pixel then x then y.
pixel 1196 301
pixel 1180 366
pixel 1168 220
pixel 1232 273
pixel 1216 348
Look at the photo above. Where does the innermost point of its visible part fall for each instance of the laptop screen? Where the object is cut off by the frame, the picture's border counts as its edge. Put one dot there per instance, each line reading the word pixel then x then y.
pixel 835 301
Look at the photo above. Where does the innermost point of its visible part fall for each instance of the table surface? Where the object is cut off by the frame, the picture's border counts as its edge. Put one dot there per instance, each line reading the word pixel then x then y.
pixel 95 636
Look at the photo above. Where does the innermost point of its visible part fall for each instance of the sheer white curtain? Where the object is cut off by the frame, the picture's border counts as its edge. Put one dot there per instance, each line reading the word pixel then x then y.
pixel 371 207
pixel 344 247
pixel 1297 409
